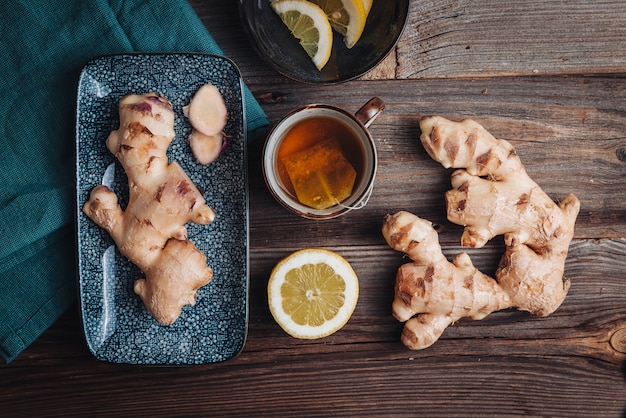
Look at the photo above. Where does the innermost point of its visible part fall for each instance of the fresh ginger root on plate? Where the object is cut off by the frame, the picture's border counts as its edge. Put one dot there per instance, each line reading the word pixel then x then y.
pixel 492 195
pixel 151 231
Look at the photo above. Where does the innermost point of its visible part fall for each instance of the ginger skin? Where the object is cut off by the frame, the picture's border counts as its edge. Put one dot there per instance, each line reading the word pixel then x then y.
pixel 492 195
pixel 151 232
pixel 431 293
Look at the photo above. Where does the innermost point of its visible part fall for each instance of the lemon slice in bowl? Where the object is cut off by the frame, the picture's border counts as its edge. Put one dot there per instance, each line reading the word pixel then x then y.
pixel 346 16
pixel 367 5
pixel 309 24
pixel 312 293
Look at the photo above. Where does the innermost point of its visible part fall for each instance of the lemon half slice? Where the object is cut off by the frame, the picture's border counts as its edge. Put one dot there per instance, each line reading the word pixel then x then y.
pixel 309 24
pixel 346 16
pixel 312 293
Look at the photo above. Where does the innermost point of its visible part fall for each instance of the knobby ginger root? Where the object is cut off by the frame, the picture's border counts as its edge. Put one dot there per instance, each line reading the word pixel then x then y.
pixel 492 195
pixel 151 231
pixel 431 292
pixel 537 232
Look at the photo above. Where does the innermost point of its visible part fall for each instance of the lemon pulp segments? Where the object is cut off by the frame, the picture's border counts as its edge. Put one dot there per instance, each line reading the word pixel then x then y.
pixel 312 293
pixel 308 23
pixel 346 16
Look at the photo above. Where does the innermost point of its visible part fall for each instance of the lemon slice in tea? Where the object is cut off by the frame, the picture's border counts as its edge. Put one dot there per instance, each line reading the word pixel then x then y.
pixel 312 293
pixel 346 16
pixel 309 24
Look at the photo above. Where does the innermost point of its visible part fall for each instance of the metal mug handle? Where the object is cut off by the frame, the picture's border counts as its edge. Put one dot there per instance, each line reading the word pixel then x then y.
pixel 369 111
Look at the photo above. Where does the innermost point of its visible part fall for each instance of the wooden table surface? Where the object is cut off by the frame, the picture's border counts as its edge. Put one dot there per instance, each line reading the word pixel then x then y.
pixel 548 76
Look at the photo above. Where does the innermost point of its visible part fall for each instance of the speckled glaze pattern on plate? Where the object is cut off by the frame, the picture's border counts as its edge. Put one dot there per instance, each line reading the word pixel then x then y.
pixel 116 324
pixel 276 45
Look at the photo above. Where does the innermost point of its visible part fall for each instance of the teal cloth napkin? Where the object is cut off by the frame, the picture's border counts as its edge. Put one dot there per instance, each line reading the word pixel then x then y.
pixel 43 46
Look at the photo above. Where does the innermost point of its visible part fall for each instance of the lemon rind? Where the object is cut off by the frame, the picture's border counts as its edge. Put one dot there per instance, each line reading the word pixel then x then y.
pixel 314 256
pixel 320 20
pixel 356 10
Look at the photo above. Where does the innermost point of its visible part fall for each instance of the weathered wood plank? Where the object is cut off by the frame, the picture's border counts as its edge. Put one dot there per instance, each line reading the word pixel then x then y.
pixel 505 364
pixel 594 308
pixel 569 133
pixel 489 37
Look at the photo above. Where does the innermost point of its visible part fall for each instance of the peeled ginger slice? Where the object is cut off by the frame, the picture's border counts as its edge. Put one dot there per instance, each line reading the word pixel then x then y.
pixel 207 111
pixel 206 148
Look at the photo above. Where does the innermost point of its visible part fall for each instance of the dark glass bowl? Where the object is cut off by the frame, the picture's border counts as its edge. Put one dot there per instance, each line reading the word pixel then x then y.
pixel 274 43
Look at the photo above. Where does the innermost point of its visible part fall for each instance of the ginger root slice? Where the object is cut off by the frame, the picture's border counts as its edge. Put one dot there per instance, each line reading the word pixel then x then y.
pixel 207 111
pixel 204 148
pixel 207 115
pixel 492 195
pixel 151 232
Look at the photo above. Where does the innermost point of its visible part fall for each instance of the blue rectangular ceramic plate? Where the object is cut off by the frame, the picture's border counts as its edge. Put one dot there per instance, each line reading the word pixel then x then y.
pixel 117 326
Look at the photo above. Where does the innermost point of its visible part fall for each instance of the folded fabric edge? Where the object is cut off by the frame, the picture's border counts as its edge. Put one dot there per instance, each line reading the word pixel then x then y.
pixel 18 340
pixel 255 118
pixel 14 339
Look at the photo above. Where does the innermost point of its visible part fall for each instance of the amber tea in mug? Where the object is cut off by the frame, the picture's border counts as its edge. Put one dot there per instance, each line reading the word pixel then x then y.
pixel 313 131
pixel 320 161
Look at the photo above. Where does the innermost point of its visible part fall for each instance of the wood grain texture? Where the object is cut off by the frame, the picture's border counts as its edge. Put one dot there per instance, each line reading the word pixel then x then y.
pixel 569 130
pixel 508 364
pixel 494 38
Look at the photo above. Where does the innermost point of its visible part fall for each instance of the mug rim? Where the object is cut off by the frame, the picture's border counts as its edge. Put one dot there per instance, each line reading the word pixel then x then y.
pixel 336 210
